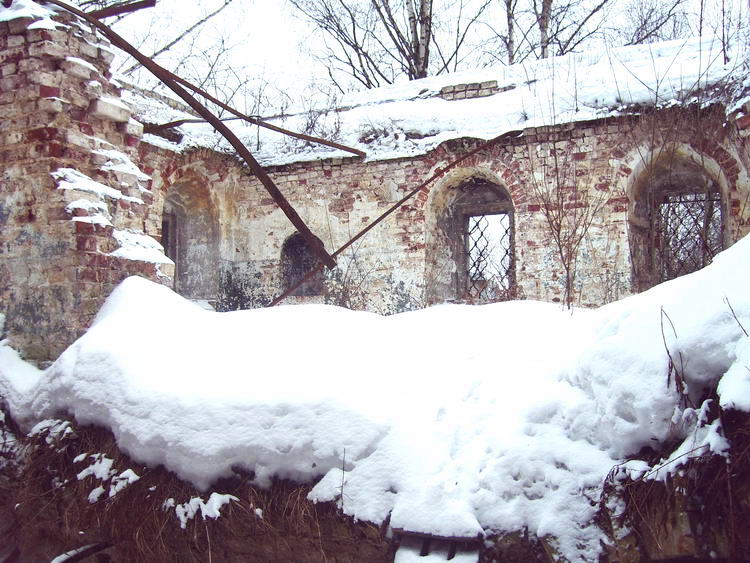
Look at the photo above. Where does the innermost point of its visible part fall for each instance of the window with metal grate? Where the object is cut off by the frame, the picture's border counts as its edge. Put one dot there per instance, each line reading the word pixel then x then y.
pixel 489 250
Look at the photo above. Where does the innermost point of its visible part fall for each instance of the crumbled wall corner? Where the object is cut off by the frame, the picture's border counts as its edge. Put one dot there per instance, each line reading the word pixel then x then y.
pixel 688 506
pixel 59 241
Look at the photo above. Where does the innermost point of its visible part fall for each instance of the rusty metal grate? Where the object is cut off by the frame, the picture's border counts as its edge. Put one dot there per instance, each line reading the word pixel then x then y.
pixel 691 232
pixel 489 256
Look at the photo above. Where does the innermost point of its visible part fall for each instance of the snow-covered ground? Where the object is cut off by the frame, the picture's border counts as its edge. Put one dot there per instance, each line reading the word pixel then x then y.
pixel 455 420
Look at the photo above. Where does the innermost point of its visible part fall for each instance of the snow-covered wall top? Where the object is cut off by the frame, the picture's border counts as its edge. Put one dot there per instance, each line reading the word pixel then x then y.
pixel 29 9
pixel 412 118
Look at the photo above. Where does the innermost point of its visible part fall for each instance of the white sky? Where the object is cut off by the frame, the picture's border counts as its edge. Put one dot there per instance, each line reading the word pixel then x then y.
pixel 264 36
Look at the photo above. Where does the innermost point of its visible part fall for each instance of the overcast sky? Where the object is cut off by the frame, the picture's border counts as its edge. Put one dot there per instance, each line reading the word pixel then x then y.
pixel 267 42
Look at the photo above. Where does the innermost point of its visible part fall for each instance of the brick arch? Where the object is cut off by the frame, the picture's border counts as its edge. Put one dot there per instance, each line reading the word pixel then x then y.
pixel 653 172
pixel 201 162
pixel 444 209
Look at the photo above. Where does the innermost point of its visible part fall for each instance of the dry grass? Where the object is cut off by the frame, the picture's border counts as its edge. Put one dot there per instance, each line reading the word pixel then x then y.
pixel 54 509
pixel 709 499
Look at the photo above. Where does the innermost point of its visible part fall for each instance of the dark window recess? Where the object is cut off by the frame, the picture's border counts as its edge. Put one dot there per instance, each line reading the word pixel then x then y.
pixel 690 228
pixel 489 256
pixel 297 259
pixel 169 235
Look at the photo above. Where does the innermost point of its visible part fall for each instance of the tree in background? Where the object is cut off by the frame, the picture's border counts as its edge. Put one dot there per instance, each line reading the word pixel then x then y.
pixel 181 49
pixel 375 41
pixel 648 21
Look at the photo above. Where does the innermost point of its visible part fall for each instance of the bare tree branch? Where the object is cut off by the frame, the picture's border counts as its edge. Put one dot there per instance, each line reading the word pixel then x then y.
pixel 182 35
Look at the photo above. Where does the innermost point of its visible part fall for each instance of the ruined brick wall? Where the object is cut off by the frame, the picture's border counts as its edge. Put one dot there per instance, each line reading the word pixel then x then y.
pixel 61 248
pixel 403 264
pixel 60 112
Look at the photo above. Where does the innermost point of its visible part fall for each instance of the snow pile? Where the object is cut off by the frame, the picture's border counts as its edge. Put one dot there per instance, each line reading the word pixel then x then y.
pixel 734 387
pixel 410 118
pixel 101 468
pixel 455 421
pixel 208 509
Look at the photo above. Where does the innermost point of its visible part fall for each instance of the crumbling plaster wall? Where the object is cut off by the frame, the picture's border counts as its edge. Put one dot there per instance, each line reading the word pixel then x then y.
pixel 402 263
pixel 399 265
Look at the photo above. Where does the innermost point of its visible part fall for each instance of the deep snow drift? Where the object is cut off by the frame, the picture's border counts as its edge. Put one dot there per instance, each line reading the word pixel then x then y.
pixel 455 419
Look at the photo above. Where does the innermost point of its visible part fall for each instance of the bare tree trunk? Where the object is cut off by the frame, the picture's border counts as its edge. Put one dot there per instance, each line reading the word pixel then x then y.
pixel 543 19
pixel 510 17
pixel 422 47
pixel 724 31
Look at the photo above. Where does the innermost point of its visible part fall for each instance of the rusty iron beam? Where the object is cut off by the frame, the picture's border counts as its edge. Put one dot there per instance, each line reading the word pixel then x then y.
pixel 438 173
pixel 122 8
pixel 168 79
pixel 178 122
pixel 261 123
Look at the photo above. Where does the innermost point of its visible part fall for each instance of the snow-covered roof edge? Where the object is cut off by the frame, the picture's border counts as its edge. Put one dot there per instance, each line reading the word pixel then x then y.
pixel 412 118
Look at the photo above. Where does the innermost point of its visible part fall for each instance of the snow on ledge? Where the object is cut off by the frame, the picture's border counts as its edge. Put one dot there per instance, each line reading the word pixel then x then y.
pixel 140 247
pixel 71 179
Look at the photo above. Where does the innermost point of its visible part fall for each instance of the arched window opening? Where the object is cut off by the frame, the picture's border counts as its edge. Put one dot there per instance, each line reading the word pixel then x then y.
pixel 297 260
pixel 190 237
pixel 484 240
pixel 677 226
pixel 689 230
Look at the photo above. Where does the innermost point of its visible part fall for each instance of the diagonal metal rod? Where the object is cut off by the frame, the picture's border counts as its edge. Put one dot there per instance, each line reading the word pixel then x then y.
pixel 169 79
pixel 438 173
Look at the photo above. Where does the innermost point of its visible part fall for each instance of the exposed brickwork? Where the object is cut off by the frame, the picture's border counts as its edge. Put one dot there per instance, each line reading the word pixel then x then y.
pixel 471 90
pixel 55 270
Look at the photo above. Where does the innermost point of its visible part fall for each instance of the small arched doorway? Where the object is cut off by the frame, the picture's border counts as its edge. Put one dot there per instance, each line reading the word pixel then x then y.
pixel 190 237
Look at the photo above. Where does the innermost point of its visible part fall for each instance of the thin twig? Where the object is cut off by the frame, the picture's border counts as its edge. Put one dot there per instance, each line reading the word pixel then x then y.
pixel 726 300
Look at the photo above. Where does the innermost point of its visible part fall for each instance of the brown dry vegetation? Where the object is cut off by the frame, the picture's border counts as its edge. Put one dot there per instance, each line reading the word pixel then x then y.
pixel 54 514
pixel 698 514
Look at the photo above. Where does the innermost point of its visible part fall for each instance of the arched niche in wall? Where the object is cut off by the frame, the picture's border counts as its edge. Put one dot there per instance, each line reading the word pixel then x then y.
pixel 190 236
pixel 297 259
pixel 470 243
pixel 676 218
